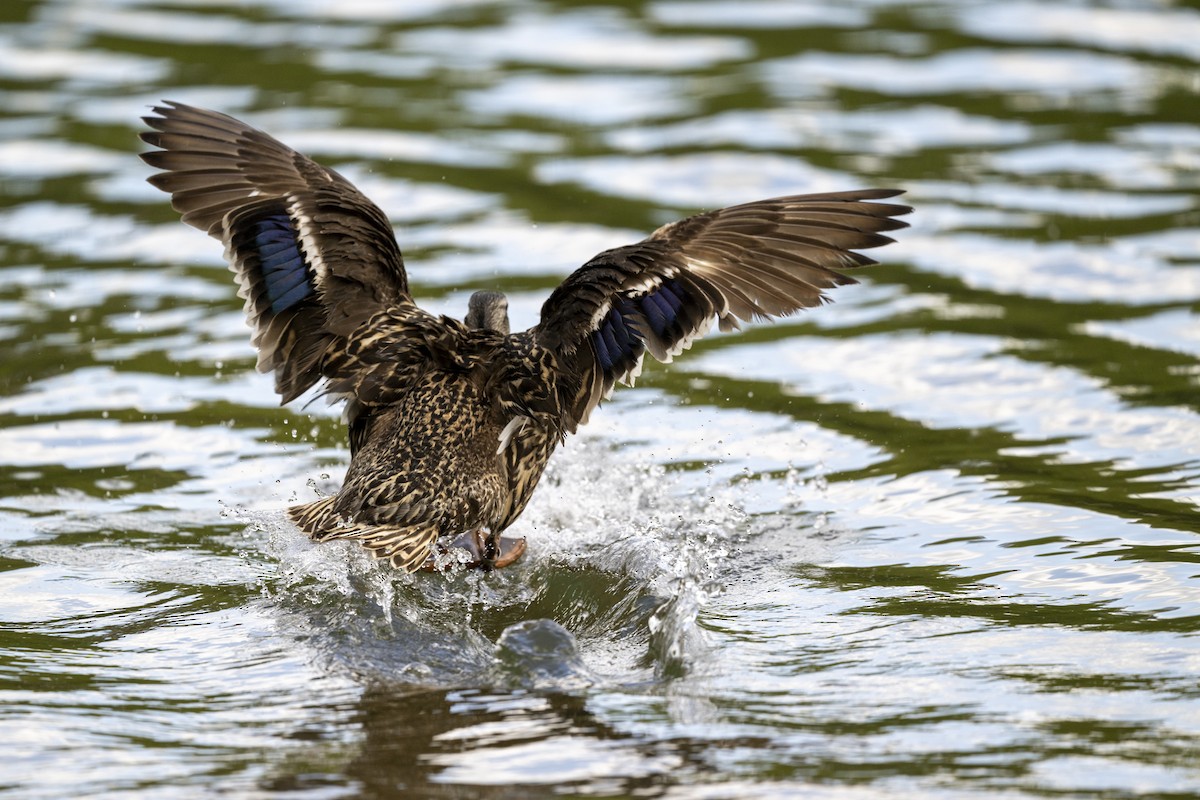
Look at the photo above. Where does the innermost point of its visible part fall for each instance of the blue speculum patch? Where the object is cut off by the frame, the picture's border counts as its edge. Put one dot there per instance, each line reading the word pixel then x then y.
pixel 615 342
pixel 661 310
pixel 283 268
pixel 658 310
pixel 619 339
pixel 602 353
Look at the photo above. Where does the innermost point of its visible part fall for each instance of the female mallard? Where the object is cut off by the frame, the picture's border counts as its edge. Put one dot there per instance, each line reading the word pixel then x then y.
pixel 452 423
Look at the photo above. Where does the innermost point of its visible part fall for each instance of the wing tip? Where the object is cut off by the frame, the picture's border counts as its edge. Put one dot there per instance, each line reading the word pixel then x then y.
pixel 162 111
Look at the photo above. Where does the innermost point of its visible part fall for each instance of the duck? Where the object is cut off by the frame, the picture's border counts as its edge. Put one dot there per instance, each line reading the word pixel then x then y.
pixel 451 423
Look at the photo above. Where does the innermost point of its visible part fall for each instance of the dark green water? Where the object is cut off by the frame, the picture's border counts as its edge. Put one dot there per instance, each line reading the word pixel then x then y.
pixel 936 540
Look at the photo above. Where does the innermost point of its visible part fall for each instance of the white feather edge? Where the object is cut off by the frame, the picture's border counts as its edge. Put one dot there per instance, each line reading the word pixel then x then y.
pixel 308 250
pixel 243 291
pixel 639 288
pixel 514 426
pixel 308 243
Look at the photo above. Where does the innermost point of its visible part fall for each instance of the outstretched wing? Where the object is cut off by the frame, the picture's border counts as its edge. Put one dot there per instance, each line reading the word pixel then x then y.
pixel 753 261
pixel 313 257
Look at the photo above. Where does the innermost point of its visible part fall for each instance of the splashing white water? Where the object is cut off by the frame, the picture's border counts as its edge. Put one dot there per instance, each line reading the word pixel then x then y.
pixel 622 559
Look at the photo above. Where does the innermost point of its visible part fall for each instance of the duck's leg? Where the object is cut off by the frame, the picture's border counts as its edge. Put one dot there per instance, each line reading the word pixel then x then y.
pixel 498 551
pixel 487 550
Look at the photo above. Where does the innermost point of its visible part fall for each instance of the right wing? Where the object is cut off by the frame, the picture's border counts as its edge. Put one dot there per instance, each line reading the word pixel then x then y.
pixel 757 260
pixel 313 257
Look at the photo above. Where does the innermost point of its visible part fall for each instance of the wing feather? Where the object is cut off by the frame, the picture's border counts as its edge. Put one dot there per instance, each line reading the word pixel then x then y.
pixel 753 261
pixel 312 256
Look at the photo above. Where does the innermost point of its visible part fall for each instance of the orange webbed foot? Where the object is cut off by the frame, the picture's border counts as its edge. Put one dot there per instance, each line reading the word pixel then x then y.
pixel 484 550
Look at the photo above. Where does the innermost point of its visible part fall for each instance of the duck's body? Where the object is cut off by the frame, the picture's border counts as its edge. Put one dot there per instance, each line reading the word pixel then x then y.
pixel 429 402
pixel 452 423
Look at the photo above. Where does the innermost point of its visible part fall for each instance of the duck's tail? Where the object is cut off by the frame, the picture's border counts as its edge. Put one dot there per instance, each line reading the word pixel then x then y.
pixel 406 546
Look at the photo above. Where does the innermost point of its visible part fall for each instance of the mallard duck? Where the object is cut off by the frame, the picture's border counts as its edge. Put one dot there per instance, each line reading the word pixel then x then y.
pixel 451 423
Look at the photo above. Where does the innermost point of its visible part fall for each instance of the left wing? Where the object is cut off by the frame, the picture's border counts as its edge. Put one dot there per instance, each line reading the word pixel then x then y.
pixel 313 257
pixel 757 260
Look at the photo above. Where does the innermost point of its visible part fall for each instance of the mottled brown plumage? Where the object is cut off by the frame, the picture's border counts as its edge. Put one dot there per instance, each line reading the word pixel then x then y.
pixel 452 423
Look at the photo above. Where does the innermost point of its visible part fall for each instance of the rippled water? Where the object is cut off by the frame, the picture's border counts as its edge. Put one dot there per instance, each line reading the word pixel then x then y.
pixel 938 539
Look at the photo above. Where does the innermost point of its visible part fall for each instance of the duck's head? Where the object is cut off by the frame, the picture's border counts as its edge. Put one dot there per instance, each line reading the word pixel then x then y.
pixel 488 311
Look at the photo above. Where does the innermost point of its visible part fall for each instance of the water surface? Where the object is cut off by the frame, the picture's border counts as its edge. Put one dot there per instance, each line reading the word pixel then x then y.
pixel 938 539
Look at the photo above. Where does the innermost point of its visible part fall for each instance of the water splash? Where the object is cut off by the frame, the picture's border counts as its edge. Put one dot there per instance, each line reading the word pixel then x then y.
pixel 623 558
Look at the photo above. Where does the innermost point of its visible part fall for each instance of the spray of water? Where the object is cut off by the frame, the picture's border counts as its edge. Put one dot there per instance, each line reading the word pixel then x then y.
pixel 623 558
